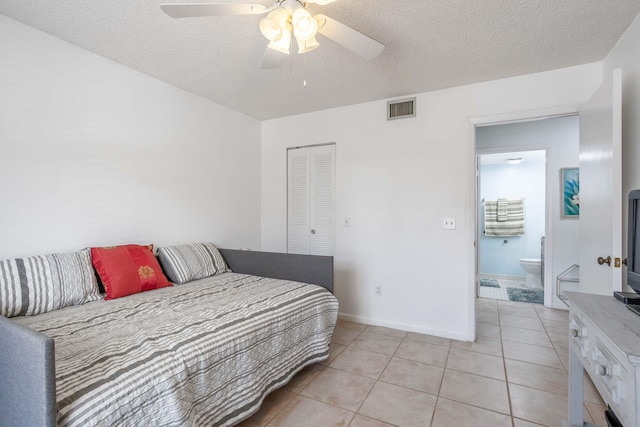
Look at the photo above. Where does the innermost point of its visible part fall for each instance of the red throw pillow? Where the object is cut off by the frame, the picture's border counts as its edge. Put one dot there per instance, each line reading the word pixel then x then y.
pixel 128 269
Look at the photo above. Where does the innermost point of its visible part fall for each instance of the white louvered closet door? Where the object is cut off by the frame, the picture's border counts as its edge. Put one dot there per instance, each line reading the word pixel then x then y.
pixel 311 200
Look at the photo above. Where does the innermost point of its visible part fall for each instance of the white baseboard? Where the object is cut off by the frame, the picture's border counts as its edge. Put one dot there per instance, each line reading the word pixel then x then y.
pixel 405 327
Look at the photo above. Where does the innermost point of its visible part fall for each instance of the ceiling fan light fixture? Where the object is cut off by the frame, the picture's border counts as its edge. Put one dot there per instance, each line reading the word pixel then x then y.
pixel 270 29
pixel 283 43
pixel 305 26
pixel 305 46
pixel 320 20
pixel 284 19
pixel 274 24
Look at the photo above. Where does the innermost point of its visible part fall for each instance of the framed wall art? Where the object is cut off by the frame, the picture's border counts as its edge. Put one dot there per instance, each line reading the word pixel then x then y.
pixel 570 193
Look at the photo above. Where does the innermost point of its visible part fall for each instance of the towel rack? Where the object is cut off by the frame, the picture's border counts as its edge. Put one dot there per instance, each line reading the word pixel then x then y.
pixel 483 199
pixel 564 277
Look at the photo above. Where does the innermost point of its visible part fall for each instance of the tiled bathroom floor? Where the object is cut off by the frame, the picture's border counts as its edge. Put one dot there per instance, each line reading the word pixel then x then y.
pixel 514 375
pixel 501 292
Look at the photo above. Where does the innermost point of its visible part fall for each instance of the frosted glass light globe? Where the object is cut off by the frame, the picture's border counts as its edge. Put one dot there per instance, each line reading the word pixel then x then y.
pixel 270 29
pixel 305 46
pixel 282 44
pixel 274 24
pixel 304 26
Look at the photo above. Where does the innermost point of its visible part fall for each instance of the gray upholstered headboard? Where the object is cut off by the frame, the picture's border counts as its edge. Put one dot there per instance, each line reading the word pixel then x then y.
pixel 314 269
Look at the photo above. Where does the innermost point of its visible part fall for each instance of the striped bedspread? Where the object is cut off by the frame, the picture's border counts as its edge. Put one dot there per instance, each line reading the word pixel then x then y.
pixel 204 353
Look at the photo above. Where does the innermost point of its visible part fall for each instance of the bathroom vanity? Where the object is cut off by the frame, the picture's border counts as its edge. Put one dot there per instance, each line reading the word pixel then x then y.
pixel 605 342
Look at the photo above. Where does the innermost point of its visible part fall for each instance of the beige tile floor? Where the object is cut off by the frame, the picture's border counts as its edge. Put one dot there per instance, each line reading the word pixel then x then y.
pixel 514 375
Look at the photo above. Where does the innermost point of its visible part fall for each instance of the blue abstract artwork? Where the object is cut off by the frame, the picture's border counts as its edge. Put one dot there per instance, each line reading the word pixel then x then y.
pixel 570 181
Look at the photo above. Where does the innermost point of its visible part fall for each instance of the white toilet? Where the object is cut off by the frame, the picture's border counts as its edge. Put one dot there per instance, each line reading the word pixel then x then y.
pixel 533 269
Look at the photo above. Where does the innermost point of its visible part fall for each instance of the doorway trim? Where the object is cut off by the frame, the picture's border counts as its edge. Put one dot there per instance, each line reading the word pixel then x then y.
pixel 548 212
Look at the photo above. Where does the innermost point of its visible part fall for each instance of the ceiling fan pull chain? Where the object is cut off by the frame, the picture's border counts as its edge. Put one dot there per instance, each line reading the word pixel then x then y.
pixel 304 70
pixel 290 55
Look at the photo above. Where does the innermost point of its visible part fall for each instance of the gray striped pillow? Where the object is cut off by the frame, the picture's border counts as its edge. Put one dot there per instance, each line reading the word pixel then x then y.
pixel 45 283
pixel 185 263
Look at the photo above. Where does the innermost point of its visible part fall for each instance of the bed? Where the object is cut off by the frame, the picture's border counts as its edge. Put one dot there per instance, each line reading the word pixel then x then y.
pixel 199 354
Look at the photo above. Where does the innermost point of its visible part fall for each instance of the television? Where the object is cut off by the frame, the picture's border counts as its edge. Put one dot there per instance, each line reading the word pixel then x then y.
pixel 633 255
pixel 633 242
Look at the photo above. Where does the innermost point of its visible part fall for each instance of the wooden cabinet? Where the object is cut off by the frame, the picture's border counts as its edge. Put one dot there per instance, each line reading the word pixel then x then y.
pixel 605 342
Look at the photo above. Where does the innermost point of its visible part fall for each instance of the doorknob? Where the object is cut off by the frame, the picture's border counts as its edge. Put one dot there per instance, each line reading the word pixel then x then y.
pixel 313 231
pixel 606 260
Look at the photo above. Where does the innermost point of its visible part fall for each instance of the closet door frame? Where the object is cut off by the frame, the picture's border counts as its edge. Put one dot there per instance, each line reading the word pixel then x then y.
pixel 321 230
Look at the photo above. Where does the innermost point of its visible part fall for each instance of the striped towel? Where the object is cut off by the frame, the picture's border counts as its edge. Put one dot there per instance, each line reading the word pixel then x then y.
pixel 513 226
pixel 502 210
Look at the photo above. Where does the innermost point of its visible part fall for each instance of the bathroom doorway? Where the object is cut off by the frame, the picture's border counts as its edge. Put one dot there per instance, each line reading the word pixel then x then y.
pixel 558 137
pixel 511 213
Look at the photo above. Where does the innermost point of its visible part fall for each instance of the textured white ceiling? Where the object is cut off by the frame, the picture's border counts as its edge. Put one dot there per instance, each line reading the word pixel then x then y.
pixel 430 44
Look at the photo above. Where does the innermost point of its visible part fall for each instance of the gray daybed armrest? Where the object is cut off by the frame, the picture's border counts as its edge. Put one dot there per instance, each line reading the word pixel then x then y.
pixel 27 377
pixel 314 269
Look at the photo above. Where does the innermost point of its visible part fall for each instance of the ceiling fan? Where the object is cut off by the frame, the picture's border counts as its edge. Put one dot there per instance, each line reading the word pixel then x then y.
pixel 285 20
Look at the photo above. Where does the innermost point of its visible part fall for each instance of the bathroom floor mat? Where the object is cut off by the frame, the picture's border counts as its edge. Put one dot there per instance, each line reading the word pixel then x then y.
pixel 490 283
pixel 526 295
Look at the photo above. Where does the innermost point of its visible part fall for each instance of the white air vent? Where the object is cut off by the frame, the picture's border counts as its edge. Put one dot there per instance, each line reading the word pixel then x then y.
pixel 401 108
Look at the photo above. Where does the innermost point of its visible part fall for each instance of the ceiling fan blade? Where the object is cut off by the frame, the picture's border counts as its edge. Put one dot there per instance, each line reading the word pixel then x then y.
pixel 320 2
pixel 273 59
pixel 191 10
pixel 353 40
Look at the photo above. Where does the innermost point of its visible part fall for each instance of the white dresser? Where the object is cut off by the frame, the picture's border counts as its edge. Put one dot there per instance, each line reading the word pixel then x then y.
pixel 604 341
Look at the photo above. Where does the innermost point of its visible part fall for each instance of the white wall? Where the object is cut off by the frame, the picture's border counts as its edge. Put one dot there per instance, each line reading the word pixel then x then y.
pixel 561 140
pixel 396 180
pixel 625 55
pixel 525 180
pixel 94 153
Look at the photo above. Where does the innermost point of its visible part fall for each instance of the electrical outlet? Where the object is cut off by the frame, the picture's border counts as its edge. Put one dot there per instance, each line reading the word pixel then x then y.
pixel 449 223
pixel 378 291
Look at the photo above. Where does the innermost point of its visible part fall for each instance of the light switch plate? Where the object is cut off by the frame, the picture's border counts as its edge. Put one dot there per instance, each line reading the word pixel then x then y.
pixel 449 223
